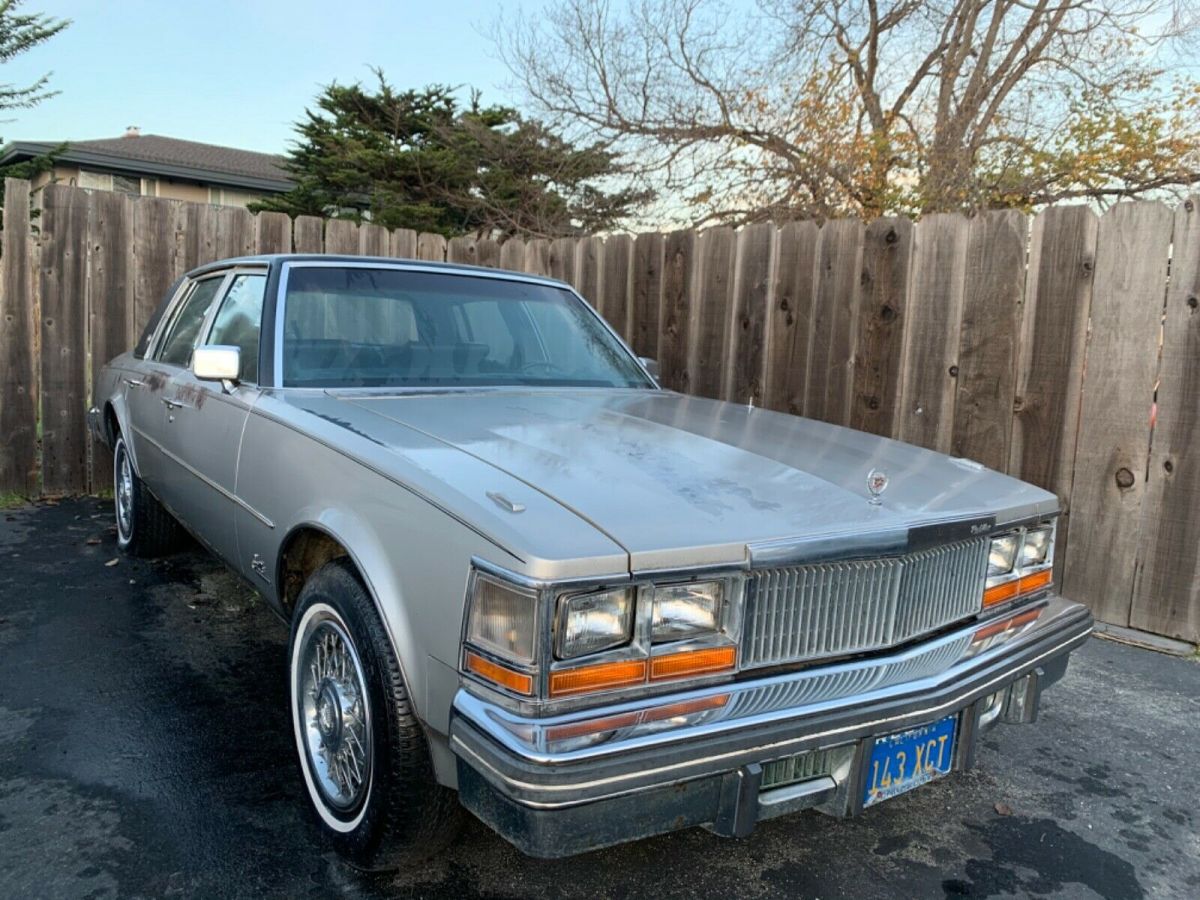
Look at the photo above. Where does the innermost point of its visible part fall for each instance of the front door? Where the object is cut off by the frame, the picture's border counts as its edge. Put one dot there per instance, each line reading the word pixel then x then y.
pixel 205 420
pixel 146 394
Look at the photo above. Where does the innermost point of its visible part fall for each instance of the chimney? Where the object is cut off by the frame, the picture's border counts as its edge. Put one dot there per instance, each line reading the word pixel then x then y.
pixel 133 131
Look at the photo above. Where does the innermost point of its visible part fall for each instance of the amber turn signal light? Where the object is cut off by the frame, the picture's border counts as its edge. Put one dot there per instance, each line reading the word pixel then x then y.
pixel 598 677
pixel 1018 587
pixel 692 662
pixel 519 682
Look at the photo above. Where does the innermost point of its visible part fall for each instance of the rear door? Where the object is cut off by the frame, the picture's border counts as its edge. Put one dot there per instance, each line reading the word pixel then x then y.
pixel 204 421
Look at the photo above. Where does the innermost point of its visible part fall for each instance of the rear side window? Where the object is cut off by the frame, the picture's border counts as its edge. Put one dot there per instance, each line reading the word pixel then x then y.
pixel 239 321
pixel 181 337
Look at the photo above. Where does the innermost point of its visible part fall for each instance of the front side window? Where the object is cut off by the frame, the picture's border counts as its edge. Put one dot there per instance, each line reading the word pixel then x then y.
pixel 239 320
pixel 361 327
pixel 185 328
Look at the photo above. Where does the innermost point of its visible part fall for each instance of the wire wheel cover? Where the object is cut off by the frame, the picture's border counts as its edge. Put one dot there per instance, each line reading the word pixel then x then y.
pixel 335 714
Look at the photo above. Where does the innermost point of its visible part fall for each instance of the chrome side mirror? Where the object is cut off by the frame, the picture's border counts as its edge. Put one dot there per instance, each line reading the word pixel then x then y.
pixel 217 362
pixel 651 366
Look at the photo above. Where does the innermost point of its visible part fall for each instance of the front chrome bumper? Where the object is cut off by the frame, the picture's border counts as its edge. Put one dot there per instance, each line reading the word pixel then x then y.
pixel 588 779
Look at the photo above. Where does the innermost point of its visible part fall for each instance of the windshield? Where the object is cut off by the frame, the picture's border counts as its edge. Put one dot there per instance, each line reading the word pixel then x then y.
pixel 363 327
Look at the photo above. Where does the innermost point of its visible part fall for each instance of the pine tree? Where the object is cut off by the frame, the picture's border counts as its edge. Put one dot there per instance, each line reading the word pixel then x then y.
pixel 423 159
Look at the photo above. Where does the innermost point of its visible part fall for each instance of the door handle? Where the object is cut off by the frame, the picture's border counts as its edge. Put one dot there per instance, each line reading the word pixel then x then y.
pixel 133 382
pixel 172 404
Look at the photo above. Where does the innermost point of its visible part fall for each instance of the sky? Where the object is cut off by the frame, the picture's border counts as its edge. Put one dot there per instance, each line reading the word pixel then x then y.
pixel 240 73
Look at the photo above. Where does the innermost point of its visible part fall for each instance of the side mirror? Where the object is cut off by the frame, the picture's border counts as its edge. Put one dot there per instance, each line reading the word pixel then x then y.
pixel 217 362
pixel 651 365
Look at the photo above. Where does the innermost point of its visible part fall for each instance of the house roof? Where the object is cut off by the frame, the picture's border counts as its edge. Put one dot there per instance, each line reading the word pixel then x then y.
pixel 155 154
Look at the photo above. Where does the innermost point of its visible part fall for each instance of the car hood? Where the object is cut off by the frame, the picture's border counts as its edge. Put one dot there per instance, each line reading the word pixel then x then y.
pixel 684 481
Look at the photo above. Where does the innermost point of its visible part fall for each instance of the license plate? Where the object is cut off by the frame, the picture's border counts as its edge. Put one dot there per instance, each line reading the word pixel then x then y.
pixel 909 759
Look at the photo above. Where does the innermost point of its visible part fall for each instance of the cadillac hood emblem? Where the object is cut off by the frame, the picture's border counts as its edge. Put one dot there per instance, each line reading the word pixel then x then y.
pixel 877 482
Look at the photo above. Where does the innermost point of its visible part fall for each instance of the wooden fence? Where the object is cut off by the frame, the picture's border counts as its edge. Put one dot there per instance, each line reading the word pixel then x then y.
pixel 1036 346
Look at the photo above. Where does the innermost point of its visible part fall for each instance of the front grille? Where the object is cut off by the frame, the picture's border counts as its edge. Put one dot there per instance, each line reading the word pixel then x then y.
pixel 832 609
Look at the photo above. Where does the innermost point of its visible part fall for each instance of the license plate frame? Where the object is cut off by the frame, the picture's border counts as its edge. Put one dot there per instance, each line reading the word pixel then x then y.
pixel 901 761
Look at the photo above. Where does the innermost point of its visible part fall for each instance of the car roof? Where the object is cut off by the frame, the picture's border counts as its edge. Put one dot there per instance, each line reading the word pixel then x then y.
pixel 269 259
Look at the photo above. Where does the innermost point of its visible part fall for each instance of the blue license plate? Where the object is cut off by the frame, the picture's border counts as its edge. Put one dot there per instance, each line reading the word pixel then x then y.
pixel 901 762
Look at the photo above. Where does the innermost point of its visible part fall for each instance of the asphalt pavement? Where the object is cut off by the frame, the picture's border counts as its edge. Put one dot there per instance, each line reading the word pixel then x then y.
pixel 145 750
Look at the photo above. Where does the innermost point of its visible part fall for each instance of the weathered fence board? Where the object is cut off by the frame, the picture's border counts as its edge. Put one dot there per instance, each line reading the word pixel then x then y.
pixel 590 260
pixel 882 314
pixel 616 280
pixel 751 310
pixel 236 233
pixel 646 296
pixel 487 253
pixel 991 316
pixel 403 243
pixel 431 247
pixel 1028 345
pixel 373 240
pixel 562 260
pixel 708 328
pixel 834 317
pixel 461 249
pixel 195 235
pixel 676 308
pixel 308 234
pixel 1132 249
pixel 537 257
pixel 341 236
pixel 1166 597
pixel 110 305
pixel 272 233
pixel 790 332
pixel 931 335
pixel 18 360
pixel 1058 300
pixel 512 254
pixel 154 247
pixel 63 291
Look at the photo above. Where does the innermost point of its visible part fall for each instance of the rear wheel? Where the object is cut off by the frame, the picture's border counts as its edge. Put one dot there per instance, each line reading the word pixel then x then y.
pixel 362 752
pixel 144 527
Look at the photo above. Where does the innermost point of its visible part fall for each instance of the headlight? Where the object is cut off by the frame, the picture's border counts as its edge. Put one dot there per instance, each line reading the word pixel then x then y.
pixel 687 610
pixel 503 619
pixel 1036 546
pixel 589 623
pixel 1003 555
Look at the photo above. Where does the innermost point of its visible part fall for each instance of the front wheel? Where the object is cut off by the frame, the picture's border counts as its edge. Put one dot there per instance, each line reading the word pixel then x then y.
pixel 362 752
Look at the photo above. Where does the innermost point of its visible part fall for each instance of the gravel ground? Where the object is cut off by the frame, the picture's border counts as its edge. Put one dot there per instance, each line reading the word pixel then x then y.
pixel 145 750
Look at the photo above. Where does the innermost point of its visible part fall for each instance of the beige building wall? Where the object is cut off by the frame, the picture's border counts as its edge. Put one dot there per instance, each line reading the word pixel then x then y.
pixel 191 191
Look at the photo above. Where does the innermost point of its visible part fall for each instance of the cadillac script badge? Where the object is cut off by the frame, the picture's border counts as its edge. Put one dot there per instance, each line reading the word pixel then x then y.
pixel 877 482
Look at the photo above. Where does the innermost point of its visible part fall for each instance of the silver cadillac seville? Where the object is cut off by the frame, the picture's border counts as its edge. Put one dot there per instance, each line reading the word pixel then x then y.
pixel 523 579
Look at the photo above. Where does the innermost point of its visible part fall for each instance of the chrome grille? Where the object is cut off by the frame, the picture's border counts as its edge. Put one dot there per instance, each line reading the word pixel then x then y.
pixel 831 609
